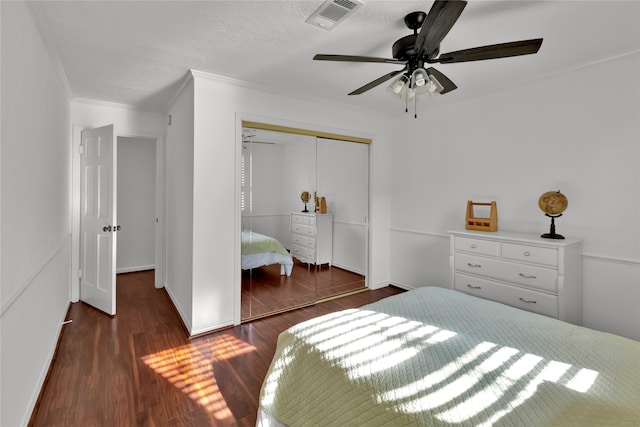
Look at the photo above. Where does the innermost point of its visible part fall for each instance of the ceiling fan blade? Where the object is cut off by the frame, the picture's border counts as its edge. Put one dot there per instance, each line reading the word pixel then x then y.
pixel 377 82
pixel 495 51
pixel 447 84
pixel 352 58
pixel 437 24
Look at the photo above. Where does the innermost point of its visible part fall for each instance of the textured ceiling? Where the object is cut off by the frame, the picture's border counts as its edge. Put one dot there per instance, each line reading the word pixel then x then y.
pixel 137 53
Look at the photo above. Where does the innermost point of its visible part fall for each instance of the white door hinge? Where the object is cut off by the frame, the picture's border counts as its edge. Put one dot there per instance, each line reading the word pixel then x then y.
pixel 79 274
pixel 81 149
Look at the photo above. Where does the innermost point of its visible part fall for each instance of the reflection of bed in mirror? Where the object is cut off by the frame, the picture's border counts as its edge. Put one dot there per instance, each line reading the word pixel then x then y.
pixel 259 250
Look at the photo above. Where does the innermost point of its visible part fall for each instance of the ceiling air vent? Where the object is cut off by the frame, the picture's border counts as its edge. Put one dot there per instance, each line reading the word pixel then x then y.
pixel 332 12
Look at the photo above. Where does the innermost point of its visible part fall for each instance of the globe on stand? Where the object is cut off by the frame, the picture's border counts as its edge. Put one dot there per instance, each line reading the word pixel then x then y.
pixel 304 196
pixel 553 203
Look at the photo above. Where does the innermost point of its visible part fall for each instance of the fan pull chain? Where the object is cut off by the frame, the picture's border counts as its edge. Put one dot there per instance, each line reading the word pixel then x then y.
pixel 415 106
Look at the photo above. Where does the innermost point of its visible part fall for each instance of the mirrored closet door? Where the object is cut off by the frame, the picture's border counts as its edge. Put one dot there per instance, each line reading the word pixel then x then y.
pixel 304 219
pixel 343 179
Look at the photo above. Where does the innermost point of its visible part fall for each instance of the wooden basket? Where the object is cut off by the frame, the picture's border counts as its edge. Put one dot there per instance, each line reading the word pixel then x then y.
pixel 482 224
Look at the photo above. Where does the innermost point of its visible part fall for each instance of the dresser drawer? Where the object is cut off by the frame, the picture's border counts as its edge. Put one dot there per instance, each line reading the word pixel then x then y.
pixel 542 278
pixel 533 254
pixel 478 246
pixel 303 253
pixel 303 229
pixel 302 240
pixel 303 219
pixel 514 296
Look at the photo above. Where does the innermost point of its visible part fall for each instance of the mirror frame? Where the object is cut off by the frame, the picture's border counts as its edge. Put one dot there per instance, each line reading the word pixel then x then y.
pixel 298 131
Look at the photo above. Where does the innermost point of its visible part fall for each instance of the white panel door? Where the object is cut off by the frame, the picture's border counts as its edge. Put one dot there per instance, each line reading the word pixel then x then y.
pixel 98 219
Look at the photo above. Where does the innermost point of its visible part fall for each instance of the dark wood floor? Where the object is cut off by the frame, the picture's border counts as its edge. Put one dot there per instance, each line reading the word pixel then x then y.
pixel 265 290
pixel 139 367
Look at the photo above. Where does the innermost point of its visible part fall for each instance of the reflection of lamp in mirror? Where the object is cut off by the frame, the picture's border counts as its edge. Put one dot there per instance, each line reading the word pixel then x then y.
pixel 304 196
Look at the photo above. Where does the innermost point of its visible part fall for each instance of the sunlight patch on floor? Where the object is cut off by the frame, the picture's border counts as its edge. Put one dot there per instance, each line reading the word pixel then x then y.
pixel 190 369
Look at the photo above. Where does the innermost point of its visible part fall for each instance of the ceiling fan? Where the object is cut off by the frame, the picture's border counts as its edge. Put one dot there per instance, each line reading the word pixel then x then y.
pixel 423 47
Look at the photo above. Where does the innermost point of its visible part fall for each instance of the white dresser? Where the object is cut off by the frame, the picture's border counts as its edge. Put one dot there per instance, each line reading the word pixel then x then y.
pixel 520 269
pixel 312 237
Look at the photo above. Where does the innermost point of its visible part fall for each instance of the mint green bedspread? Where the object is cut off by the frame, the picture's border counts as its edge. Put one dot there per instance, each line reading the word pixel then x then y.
pixel 255 243
pixel 436 357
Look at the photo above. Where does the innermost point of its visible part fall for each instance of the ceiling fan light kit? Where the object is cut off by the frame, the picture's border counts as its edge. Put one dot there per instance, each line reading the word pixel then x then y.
pixel 423 47
pixel 418 83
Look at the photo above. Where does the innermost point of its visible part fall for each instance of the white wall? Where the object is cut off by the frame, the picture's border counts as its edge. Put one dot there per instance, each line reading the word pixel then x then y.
pixel 560 133
pixel 219 108
pixel 136 204
pixel 35 211
pixel 179 205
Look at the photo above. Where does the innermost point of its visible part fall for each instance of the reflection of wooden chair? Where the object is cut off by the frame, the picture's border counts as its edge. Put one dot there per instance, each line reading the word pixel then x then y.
pixel 482 224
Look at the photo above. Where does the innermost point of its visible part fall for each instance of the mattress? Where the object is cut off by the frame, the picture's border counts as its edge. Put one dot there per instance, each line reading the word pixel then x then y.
pixel 437 357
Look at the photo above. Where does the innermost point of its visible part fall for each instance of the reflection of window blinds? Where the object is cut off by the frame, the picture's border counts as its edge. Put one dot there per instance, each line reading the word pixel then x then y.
pixel 242 183
pixel 246 196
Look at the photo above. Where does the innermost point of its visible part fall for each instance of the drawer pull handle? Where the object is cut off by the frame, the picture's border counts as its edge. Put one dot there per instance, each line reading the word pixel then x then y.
pixel 527 253
pixel 474 265
pixel 474 287
pixel 474 246
pixel 528 301
pixel 527 276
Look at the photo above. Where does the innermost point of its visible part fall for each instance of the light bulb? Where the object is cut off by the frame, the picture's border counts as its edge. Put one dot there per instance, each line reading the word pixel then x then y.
pixel 433 86
pixel 397 86
pixel 419 79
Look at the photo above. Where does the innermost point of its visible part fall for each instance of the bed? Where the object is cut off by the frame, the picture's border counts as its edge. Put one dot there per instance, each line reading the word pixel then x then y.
pixel 259 250
pixel 438 357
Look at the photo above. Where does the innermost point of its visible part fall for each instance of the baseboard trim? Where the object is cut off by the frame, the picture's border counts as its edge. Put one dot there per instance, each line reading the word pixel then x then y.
pixel 401 286
pixel 135 268
pixel 176 308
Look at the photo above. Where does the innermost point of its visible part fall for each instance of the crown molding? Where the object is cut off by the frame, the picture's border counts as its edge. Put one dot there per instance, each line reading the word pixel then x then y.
pixel 279 92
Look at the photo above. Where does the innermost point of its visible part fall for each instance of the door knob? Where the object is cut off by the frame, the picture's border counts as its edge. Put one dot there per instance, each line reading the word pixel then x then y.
pixel 105 229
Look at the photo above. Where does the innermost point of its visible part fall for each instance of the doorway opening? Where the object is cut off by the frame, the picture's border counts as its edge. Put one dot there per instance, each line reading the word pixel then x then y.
pixel 136 208
pixel 140 216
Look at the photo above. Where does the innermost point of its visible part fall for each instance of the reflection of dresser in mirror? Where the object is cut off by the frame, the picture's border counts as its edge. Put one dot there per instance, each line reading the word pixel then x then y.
pixel 312 237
